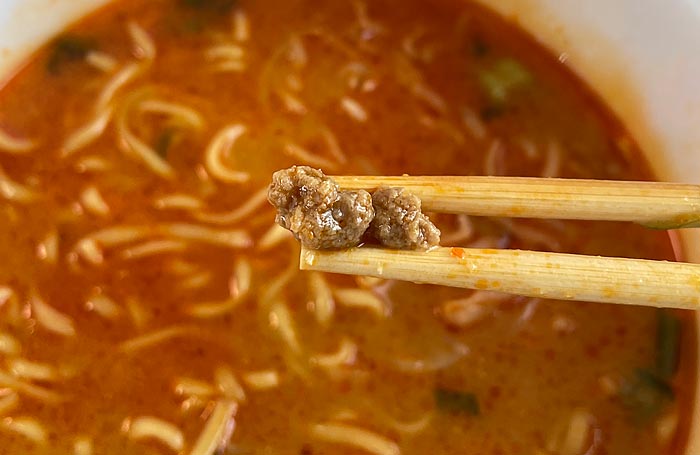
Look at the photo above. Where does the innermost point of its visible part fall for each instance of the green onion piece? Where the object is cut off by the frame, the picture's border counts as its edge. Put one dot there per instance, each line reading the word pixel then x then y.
pixel 164 141
pixel 668 337
pixel 199 14
pixel 218 6
pixel 456 402
pixel 67 49
pixel 503 78
pixel 491 112
pixel 645 395
pixel 479 47
pixel 192 25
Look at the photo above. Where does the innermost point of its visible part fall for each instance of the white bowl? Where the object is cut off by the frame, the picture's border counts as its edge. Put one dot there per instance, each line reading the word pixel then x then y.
pixel 641 56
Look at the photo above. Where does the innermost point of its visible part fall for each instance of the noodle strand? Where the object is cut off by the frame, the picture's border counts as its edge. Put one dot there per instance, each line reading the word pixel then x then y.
pixel 14 145
pixel 221 146
pixel 217 430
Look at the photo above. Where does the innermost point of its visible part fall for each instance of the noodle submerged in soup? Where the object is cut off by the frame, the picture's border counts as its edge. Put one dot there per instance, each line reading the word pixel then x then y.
pixel 150 304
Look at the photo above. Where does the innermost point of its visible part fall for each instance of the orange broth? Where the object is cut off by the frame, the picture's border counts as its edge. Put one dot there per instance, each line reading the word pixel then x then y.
pixel 160 290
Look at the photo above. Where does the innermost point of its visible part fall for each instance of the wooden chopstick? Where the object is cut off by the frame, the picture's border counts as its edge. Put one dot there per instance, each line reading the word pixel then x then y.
pixel 529 273
pixel 653 204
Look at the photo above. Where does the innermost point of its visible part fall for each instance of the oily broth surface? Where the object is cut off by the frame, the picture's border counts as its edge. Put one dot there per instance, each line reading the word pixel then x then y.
pixel 296 84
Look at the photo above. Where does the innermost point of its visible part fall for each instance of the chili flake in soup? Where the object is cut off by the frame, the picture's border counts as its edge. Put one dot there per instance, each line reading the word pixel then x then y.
pixel 149 303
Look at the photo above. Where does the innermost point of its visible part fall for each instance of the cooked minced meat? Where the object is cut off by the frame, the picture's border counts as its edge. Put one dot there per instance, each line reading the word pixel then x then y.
pixel 400 223
pixel 319 215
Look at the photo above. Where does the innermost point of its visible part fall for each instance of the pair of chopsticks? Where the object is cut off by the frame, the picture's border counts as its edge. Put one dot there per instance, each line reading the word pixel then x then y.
pixel 532 273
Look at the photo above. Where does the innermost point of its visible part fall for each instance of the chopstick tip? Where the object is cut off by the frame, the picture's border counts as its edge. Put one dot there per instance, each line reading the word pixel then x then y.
pixel 307 258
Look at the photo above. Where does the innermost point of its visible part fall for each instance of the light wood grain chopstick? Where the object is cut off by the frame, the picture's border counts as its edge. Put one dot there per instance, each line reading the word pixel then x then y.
pixel 530 273
pixel 653 204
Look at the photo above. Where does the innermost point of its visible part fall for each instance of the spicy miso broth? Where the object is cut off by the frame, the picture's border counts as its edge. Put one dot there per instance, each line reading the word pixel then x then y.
pixel 150 305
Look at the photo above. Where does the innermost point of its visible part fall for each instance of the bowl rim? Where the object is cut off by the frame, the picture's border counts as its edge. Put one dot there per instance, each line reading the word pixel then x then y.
pixel 615 48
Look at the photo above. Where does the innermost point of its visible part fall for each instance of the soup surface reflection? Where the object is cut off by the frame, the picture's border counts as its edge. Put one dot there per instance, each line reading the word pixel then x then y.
pixel 149 304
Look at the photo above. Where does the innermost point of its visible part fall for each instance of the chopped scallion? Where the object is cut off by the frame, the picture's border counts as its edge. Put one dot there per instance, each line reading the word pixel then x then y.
pixel 479 47
pixel 456 402
pixel 164 141
pixel 668 336
pixel 217 6
pixel 502 78
pixel 199 14
pixel 645 395
pixel 67 49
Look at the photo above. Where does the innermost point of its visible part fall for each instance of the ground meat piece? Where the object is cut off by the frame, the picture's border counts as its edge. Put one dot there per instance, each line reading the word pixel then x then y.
pixel 322 217
pixel 399 222
pixel 319 215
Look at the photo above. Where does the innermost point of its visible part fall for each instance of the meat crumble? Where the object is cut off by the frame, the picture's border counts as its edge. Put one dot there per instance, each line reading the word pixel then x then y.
pixel 399 222
pixel 321 216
